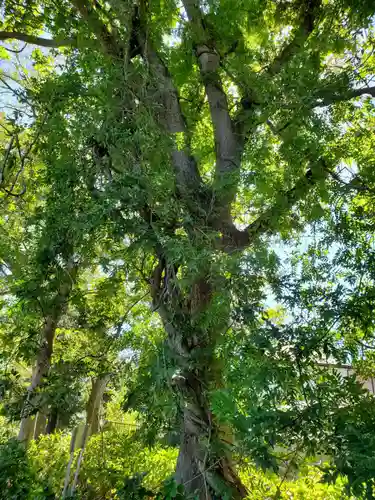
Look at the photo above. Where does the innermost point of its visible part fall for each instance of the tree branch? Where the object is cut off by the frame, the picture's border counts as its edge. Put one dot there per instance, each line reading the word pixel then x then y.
pixel 268 221
pixel 170 116
pixel 325 98
pixel 111 45
pixel 227 143
pixel 36 40
pixel 309 14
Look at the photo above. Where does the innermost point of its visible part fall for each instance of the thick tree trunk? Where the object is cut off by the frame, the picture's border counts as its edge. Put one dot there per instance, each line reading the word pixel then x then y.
pixel 204 465
pixel 27 428
pixel 40 424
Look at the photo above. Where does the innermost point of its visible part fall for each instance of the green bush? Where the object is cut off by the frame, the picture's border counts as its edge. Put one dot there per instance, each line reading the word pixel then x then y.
pixel 307 485
pixel 18 478
pixel 117 466
pixel 49 456
pixel 116 454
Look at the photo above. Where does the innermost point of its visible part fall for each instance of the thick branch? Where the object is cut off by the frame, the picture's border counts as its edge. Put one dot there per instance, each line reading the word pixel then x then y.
pixel 325 98
pixel 170 116
pixel 227 143
pixel 107 38
pixel 36 40
pixel 309 13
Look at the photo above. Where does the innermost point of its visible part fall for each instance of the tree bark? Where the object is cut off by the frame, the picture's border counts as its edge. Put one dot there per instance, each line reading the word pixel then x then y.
pixel 204 465
pixel 98 387
pixel 52 421
pixel 40 424
pixel 43 362
pixel 27 428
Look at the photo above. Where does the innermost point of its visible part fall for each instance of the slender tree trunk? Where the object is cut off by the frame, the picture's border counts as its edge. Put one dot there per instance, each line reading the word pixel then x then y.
pixel 40 424
pixel 80 458
pixel 43 361
pixel 69 466
pixel 52 421
pixel 41 370
pixel 98 387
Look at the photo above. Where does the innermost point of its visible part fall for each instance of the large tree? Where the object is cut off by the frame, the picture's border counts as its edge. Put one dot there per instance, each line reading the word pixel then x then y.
pixel 199 129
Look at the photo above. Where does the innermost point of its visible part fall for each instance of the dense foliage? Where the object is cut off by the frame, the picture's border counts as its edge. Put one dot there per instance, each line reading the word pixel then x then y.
pixel 187 197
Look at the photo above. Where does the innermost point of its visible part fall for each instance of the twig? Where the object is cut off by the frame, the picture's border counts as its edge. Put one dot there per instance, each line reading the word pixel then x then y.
pixel 10 146
pixel 203 472
pixel 277 494
pixel 16 51
pixel 121 322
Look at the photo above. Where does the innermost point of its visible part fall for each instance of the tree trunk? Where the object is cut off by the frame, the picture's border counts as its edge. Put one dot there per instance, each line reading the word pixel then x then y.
pixel 43 362
pixel 52 421
pixel 69 466
pixel 204 465
pixel 41 370
pixel 98 387
pixel 40 424
pixel 79 460
pixel 27 428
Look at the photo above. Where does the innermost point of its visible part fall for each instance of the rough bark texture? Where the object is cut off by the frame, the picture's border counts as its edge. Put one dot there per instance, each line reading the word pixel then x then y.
pixel 199 468
pixel 204 463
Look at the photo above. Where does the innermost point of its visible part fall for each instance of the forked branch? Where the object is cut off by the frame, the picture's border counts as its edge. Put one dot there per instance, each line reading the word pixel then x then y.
pixel 188 180
pixel 111 45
